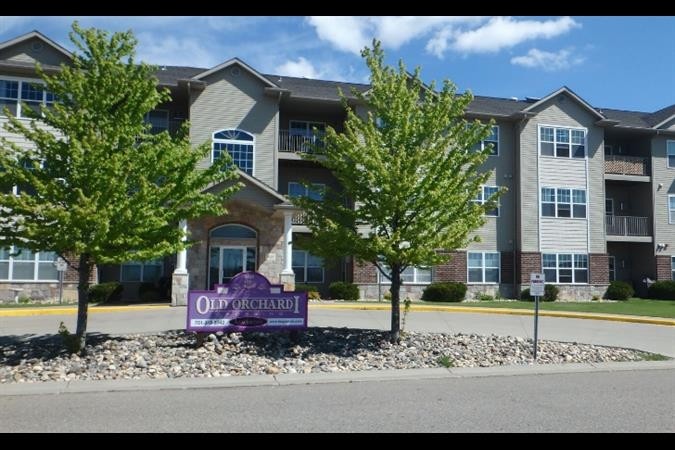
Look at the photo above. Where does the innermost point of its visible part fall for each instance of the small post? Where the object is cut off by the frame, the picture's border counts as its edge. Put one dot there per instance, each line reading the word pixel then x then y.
pixel 61 266
pixel 536 325
pixel 537 281
pixel 60 287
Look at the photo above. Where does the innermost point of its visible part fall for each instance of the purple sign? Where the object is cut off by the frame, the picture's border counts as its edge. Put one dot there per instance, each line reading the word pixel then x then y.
pixel 247 303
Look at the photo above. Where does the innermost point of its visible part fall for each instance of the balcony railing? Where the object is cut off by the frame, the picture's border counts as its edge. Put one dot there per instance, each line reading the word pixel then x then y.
pixel 300 143
pixel 627 226
pixel 298 218
pixel 626 165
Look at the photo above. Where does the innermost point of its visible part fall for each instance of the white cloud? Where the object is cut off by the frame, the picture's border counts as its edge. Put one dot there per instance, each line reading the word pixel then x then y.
pixel 13 24
pixel 504 32
pixel 162 49
pixel 351 34
pixel 299 68
pixel 548 61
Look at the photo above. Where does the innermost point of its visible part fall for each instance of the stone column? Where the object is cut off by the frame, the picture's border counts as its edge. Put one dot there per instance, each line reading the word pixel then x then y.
pixel 287 276
pixel 180 277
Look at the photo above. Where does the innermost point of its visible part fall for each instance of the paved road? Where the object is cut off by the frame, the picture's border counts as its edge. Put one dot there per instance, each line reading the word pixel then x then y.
pixel 654 338
pixel 630 401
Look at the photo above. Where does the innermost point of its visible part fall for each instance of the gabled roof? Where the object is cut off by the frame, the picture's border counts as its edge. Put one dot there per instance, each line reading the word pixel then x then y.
pixel 569 92
pixel 169 75
pixel 42 37
pixel 316 89
pixel 662 116
pixel 494 106
pixel 230 62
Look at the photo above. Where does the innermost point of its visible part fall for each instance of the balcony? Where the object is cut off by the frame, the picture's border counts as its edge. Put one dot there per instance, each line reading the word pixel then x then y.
pixel 627 229
pixel 630 168
pixel 298 218
pixel 299 143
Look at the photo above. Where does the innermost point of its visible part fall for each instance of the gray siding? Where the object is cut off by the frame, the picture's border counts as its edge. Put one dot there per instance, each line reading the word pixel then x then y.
pixel 565 113
pixel 237 102
pixel 664 232
pixel 564 235
pixel 498 232
pixel 25 53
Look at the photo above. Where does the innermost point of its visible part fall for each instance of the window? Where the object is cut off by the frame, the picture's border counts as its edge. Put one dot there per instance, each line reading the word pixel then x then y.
pixel 672 268
pixel 562 142
pixel 142 270
pixel 239 144
pixel 302 134
pixel 296 189
pixel 483 267
pixel 609 206
pixel 671 209
pixel 670 146
pixel 565 268
pixel 484 195
pixel 563 202
pixel 158 120
pixel 493 139
pixel 30 92
pixel 409 275
pixel 27 265
pixel 612 268
pixel 307 267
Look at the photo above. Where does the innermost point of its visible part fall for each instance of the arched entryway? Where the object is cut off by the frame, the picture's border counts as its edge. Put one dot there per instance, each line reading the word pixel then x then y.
pixel 232 249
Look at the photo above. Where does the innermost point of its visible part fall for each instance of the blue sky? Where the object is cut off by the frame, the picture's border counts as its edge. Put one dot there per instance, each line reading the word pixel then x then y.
pixel 612 62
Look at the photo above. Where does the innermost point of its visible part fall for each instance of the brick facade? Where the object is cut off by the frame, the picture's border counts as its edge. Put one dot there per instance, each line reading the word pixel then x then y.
pixel 526 263
pixel 598 265
pixel 452 270
pixel 663 268
pixel 364 272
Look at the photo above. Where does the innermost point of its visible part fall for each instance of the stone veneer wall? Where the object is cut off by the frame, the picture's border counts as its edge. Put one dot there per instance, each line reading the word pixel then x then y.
pixel 270 227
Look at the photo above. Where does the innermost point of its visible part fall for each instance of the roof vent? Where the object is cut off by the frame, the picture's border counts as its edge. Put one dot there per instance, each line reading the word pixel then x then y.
pixel 162 68
pixel 532 99
pixel 36 47
pixel 515 99
pixel 235 71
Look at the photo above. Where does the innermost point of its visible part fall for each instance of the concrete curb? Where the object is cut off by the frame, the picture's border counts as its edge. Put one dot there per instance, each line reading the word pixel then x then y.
pixel 71 387
pixel 21 312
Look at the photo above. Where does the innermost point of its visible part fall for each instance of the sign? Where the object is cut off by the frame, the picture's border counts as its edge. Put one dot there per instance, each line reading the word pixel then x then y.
pixel 61 264
pixel 537 284
pixel 247 303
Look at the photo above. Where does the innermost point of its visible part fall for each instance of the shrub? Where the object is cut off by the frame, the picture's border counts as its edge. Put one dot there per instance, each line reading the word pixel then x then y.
pixel 148 292
pixel 550 294
pixel 105 292
pixel 484 297
pixel 387 296
pixel 662 290
pixel 312 291
pixel 444 292
pixel 619 290
pixel 343 291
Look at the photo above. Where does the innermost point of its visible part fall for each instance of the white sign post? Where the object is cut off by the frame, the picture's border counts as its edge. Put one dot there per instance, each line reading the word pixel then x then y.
pixel 536 291
pixel 61 267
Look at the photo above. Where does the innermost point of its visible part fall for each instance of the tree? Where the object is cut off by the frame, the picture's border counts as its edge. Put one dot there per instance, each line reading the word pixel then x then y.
pixel 102 187
pixel 409 168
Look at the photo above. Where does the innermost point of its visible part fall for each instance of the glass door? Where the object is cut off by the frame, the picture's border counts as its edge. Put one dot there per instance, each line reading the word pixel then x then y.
pixel 226 262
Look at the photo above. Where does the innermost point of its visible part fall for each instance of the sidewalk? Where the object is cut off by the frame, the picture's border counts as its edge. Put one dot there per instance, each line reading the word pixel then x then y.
pixel 82 386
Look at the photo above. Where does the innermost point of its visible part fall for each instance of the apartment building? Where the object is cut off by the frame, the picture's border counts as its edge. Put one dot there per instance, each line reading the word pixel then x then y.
pixel 591 191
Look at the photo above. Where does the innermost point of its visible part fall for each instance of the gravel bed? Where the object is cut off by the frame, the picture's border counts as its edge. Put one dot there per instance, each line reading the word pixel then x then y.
pixel 175 354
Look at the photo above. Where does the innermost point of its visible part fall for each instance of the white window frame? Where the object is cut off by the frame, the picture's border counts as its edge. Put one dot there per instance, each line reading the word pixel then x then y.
pixel 672 268
pixel 612 267
pixel 305 267
pixel 483 142
pixel 556 202
pixel 36 268
pixel 215 140
pixel 155 262
pixel 555 141
pixel 483 267
pixel 671 211
pixel 21 81
pixel 321 186
pixel 381 279
pixel 483 198
pixel 573 268
pixel 670 151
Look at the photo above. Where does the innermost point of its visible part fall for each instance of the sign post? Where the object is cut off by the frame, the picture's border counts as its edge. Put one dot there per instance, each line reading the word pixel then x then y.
pixel 61 267
pixel 536 291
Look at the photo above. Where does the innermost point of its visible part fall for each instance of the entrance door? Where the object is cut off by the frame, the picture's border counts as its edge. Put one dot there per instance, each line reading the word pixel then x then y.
pixel 225 263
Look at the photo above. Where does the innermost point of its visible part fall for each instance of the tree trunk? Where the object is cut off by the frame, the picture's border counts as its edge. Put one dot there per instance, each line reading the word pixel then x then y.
pixel 395 304
pixel 82 301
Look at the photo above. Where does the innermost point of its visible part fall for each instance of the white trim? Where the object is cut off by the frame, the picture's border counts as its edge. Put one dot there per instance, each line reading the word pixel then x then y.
pixel 670 211
pixel 667 155
pixel 228 63
pixel 574 96
pixel 555 141
pixel 244 250
pixel 557 267
pixel 21 81
pixel 37 34
pixel 499 268
pixel 252 143
pixel 571 202
pixel 672 269
pixel 482 200
pixel 36 267
pixel 305 267
pixel 658 125
pixel 384 280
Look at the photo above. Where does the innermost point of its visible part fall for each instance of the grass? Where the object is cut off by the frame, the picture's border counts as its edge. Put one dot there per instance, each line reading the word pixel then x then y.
pixel 654 357
pixel 446 361
pixel 634 307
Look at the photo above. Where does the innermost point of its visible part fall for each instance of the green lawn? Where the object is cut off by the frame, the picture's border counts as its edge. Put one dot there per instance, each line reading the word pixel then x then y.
pixel 635 306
